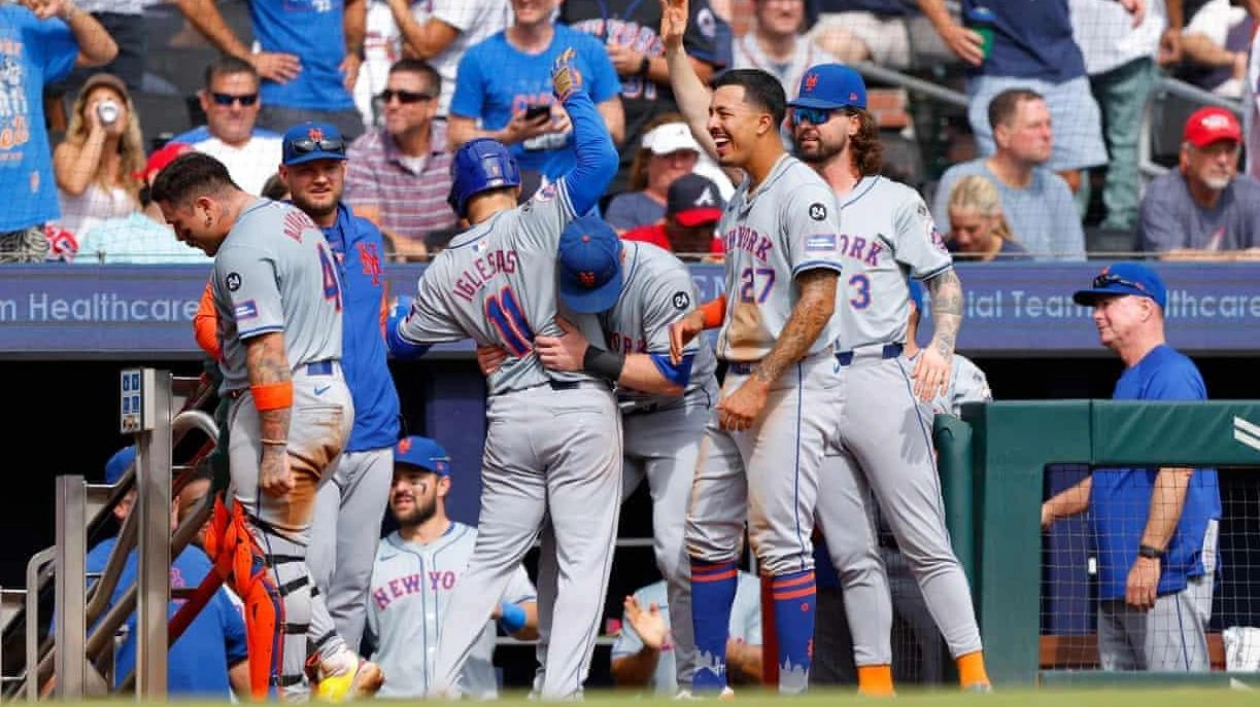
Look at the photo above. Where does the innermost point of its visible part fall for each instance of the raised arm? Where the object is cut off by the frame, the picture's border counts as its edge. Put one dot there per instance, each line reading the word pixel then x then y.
pixel 690 92
pixel 597 157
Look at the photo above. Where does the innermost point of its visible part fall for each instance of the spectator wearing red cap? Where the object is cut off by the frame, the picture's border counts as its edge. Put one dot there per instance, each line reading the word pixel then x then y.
pixel 1204 210
pixel 693 208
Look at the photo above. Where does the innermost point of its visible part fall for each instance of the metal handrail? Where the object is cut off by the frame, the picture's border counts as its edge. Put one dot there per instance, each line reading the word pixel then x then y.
pixel 39 570
pixel 913 84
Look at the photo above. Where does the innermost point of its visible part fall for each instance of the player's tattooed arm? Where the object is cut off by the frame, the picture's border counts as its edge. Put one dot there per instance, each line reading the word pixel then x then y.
pixel 267 364
pixel 814 307
pixel 947 311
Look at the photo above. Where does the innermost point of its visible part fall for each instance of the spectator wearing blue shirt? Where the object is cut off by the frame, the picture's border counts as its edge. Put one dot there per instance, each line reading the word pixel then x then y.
pixel 1155 575
pixel 210 659
pixel 37 47
pixel 502 78
pixel 1032 48
pixel 309 57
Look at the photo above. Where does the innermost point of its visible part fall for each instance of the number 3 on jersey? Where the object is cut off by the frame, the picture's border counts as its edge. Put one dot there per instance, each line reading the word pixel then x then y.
pixel 505 315
pixel 755 284
pixel 861 285
pixel 332 284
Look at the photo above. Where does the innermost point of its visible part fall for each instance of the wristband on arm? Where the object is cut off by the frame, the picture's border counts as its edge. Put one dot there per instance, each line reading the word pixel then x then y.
pixel 714 312
pixel 272 396
pixel 605 364
pixel 512 617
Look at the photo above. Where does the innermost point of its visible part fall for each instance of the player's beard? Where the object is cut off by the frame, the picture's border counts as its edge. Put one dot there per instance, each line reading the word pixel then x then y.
pixel 420 513
pixel 819 151
pixel 316 211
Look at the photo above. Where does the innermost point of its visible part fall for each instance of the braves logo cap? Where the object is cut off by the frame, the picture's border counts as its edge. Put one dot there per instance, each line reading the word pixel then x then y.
pixel 1127 278
pixel 694 200
pixel 1212 124
pixel 590 266
pixel 831 86
pixel 424 453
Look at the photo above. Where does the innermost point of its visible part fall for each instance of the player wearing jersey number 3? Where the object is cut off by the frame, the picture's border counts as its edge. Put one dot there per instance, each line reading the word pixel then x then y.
pixel 553 438
pixel 763 448
pixel 883 441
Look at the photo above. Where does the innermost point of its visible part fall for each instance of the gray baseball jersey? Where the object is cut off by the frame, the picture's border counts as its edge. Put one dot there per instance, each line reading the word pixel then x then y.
pixel 745 625
pixel 967 384
pixel 883 436
pixel 890 236
pixel 275 272
pixel 411 584
pixel 789 225
pixel 496 284
pixel 657 290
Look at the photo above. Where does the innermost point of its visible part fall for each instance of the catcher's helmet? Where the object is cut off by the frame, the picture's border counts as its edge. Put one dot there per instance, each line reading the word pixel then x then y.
pixel 480 165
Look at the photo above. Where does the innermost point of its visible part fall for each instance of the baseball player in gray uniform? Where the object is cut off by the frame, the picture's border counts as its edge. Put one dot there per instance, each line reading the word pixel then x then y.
pixel 553 441
pixel 762 451
pixel 278 302
pixel 637 292
pixel 888 237
pixel 417 570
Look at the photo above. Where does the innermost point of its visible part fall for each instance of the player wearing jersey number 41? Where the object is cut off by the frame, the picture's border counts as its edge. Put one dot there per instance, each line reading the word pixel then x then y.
pixel 553 438
pixel 763 449
pixel 278 302
pixel 883 440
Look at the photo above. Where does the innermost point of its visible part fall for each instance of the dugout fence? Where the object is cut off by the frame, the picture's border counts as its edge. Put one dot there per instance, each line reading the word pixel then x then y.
pixel 997 464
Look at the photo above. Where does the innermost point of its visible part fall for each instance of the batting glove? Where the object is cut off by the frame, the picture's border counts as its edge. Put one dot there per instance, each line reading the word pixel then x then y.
pixel 565 78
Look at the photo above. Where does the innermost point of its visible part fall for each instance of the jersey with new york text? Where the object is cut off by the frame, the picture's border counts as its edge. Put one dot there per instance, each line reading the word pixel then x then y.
pixel 888 235
pixel 411 585
pixel 275 272
pixel 496 284
pixel 656 291
pixel 788 226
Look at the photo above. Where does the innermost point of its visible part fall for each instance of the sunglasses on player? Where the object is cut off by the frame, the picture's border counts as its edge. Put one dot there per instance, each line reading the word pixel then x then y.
pixel 1107 279
pixel 404 97
pixel 306 145
pixel 227 99
pixel 813 116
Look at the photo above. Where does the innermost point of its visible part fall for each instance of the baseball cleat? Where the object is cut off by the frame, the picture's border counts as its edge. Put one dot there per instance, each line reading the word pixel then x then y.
pixel 345 677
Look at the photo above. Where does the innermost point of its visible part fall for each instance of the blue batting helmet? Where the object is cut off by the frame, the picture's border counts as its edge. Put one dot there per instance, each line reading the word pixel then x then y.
pixel 480 165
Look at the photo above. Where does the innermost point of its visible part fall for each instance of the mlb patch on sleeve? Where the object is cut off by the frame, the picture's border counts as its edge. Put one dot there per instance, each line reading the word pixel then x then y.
pixel 246 310
pixel 820 243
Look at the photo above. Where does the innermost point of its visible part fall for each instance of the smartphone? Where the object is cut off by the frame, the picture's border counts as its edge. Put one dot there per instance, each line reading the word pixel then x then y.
pixel 536 113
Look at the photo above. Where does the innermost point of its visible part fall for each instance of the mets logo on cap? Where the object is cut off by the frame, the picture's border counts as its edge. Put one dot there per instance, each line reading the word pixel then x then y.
pixel 811 82
pixel 315 134
pixel 404 445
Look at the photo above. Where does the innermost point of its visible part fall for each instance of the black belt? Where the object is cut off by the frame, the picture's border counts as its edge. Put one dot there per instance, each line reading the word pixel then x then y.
pixel 890 351
pixel 574 385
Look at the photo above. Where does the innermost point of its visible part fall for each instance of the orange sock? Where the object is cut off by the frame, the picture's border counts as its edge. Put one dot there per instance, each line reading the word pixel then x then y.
pixel 875 680
pixel 971 669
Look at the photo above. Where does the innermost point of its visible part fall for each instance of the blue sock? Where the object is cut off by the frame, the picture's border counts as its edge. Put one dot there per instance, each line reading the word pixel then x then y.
pixel 794 596
pixel 712 593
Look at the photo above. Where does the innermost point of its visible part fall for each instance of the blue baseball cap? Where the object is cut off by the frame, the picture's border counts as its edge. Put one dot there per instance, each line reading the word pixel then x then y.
pixel 916 294
pixel 119 464
pixel 831 86
pixel 590 265
pixel 424 453
pixel 310 141
pixel 1127 278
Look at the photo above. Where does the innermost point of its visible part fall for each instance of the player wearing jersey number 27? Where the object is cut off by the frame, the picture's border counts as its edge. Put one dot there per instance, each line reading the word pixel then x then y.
pixel 762 450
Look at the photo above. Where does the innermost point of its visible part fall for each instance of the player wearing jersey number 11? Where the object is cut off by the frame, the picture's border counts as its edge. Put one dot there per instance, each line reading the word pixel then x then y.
pixel 553 438
pixel 762 450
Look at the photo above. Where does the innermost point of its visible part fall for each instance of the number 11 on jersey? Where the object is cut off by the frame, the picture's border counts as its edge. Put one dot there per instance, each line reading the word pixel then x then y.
pixel 505 315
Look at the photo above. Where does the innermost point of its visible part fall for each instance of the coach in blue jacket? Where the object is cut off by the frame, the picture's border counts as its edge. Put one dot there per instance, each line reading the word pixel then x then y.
pixel 1155 529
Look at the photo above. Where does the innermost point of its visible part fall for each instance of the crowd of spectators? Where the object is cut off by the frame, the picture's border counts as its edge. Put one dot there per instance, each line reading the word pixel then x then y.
pixel 1057 94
